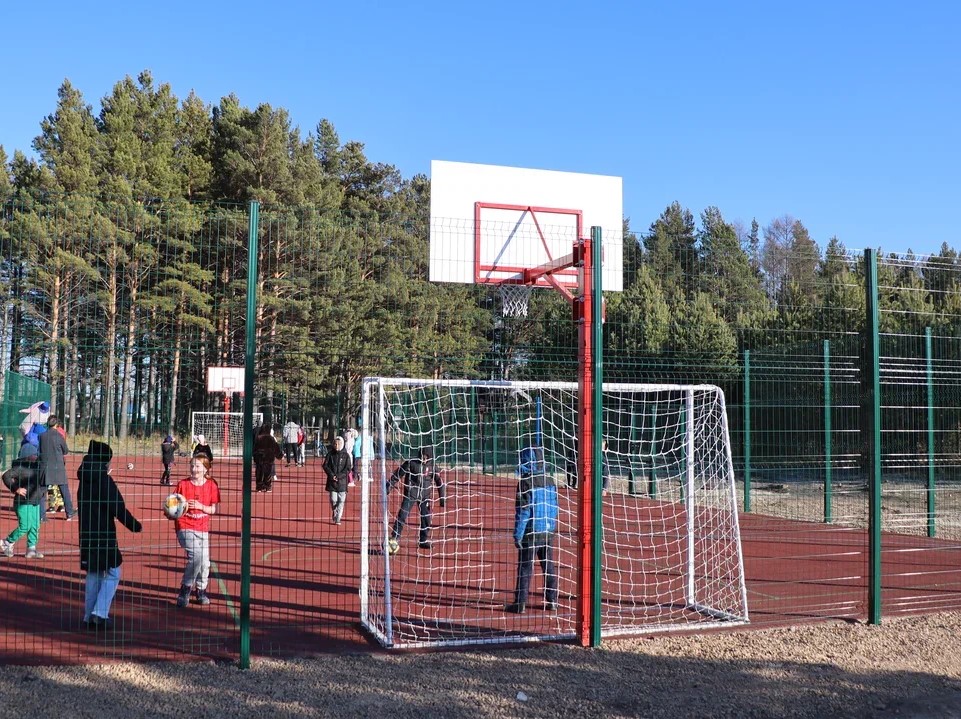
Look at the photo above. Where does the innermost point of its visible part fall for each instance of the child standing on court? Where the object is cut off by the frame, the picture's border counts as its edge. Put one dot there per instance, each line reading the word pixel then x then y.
pixel 337 466
pixel 193 529
pixel 23 479
pixel 168 449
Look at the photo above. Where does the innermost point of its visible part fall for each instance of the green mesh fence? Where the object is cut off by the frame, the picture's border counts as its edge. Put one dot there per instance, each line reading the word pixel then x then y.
pixel 122 306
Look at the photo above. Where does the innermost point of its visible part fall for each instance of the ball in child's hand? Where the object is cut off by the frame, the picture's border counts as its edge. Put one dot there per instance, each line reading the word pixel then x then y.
pixel 129 465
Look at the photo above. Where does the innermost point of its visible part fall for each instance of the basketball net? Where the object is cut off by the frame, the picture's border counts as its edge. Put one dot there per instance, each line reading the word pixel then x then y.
pixel 514 299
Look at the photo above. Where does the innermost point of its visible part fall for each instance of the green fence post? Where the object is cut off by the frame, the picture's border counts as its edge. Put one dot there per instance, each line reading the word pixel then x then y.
pixel 253 222
pixel 494 444
pixel 929 356
pixel 684 455
pixel 827 432
pixel 747 430
pixel 871 441
pixel 474 422
pixel 652 468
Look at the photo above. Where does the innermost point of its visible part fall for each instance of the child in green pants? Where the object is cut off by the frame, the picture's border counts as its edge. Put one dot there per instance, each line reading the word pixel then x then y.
pixel 23 479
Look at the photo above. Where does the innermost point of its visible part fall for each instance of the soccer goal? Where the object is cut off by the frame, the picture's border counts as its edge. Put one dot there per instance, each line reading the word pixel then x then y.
pixel 671 549
pixel 224 431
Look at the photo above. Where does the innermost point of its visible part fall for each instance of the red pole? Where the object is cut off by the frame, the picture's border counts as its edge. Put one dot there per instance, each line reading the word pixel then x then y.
pixel 583 315
pixel 226 424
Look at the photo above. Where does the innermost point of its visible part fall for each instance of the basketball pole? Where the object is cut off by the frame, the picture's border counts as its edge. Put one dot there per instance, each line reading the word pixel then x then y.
pixel 584 317
pixel 226 432
pixel 587 311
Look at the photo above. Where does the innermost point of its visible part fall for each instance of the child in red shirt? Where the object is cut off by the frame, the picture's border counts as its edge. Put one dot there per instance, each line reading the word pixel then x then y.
pixel 193 529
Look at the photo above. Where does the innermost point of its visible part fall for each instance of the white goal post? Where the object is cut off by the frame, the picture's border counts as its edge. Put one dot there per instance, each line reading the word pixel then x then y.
pixel 671 547
pixel 224 431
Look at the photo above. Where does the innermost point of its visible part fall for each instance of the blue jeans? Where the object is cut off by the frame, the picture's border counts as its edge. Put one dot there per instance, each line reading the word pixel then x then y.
pixel 101 588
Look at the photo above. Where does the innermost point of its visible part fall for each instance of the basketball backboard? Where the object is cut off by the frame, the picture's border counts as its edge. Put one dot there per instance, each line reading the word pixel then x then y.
pixel 225 379
pixel 488 222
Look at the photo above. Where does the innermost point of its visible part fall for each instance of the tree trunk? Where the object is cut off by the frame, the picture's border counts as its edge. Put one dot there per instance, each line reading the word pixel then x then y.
pixel 110 337
pixel 178 341
pixel 54 353
pixel 126 381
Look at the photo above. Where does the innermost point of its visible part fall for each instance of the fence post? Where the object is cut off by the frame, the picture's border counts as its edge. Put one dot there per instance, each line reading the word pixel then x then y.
pixel 253 222
pixel 747 430
pixel 827 432
pixel 871 441
pixel 929 356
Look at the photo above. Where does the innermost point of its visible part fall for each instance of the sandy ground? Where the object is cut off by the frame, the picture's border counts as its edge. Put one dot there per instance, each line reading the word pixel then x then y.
pixel 908 668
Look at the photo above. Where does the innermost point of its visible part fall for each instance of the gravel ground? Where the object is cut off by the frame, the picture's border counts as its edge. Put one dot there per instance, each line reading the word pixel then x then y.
pixel 907 668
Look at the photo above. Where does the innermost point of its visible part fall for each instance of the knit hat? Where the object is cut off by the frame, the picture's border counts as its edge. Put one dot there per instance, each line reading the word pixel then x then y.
pixel 169 438
pixel 201 439
pixel 99 451
pixel 44 407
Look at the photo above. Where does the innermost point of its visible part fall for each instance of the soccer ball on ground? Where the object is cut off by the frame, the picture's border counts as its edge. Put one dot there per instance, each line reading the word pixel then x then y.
pixel 129 465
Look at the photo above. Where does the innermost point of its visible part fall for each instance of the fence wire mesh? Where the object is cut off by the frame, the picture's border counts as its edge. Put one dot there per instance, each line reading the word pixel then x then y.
pixel 118 308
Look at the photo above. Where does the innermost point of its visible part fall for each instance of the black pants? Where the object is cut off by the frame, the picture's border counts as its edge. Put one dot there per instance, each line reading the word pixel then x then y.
pixel 290 451
pixel 265 476
pixel 405 507
pixel 541 545
pixel 165 477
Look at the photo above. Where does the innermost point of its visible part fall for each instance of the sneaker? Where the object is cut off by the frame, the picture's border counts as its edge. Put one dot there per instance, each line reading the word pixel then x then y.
pixel 183 599
pixel 393 546
pixel 70 517
pixel 516 608
pixel 424 545
pixel 99 624
pixel 550 606
pixel 202 597
pixel 32 553
pixel 6 547
pixel 351 484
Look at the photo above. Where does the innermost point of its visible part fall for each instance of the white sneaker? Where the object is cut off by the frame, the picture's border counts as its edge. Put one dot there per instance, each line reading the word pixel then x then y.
pixel 6 548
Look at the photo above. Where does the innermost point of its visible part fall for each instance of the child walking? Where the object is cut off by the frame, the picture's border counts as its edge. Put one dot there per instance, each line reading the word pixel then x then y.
pixel 23 479
pixel 193 529
pixel 168 450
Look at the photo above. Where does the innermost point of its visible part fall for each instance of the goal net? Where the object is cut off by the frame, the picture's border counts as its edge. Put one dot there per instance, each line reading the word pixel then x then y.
pixel 224 431
pixel 671 550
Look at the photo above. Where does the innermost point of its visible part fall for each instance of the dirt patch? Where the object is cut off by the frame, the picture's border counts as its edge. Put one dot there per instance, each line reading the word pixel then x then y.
pixel 903 668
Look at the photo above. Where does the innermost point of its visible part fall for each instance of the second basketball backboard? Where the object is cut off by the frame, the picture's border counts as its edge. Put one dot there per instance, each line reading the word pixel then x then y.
pixel 490 222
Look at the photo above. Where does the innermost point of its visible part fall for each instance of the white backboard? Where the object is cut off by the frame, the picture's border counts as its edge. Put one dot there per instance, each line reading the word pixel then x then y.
pixel 225 379
pixel 489 222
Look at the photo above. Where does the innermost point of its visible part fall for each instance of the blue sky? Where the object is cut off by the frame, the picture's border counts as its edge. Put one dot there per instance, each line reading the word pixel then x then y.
pixel 844 115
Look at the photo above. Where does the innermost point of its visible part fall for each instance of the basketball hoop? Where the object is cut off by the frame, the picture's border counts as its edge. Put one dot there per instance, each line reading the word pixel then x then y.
pixel 514 299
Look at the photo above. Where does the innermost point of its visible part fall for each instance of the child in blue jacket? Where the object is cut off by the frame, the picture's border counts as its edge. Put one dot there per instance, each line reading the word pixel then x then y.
pixel 535 524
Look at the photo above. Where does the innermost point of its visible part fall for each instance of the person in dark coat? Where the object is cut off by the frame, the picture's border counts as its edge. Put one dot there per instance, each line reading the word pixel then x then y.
pixel 535 526
pixel 23 479
pixel 53 464
pixel 419 477
pixel 337 466
pixel 266 452
pixel 168 452
pixel 202 449
pixel 101 505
